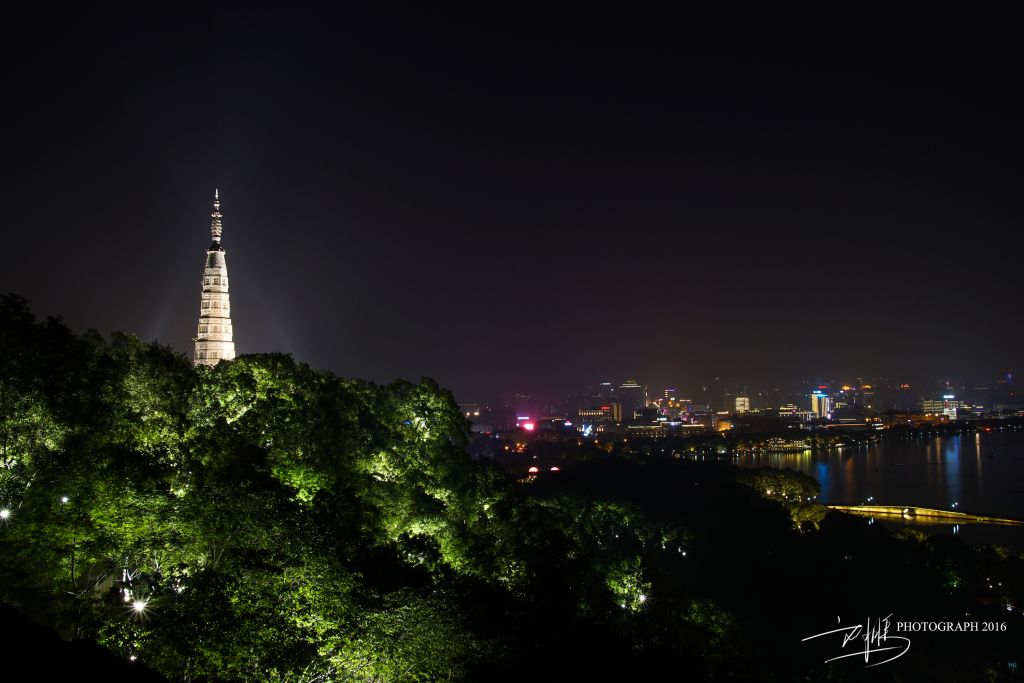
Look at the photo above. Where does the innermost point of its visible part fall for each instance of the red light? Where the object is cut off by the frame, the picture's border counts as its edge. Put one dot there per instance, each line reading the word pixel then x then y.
pixel 606 407
pixel 528 426
pixel 555 469
pixel 534 470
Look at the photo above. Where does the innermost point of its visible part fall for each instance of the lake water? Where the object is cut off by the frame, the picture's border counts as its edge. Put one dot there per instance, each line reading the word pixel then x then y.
pixel 981 473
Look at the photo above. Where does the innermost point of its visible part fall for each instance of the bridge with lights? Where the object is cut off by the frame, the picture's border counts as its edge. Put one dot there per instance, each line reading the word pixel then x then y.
pixel 924 515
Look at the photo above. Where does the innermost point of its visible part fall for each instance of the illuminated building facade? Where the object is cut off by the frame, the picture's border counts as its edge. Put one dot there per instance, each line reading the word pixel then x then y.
pixel 821 405
pixel 890 420
pixel 215 337
pixel 650 431
pixel 947 406
pixel 788 410
pixel 596 419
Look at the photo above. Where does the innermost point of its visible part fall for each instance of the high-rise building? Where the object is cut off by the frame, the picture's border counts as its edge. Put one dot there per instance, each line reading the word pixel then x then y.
pixel 711 392
pixel 905 398
pixel 215 338
pixel 742 404
pixel 821 404
pixel 633 398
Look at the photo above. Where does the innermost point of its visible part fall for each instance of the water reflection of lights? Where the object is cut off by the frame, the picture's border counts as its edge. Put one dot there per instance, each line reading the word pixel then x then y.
pixel 923 469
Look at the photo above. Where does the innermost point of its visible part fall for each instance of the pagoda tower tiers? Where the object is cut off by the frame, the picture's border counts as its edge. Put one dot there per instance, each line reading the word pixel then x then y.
pixel 215 340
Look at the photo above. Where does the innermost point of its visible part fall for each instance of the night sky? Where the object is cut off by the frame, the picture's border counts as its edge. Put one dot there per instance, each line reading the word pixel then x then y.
pixel 515 201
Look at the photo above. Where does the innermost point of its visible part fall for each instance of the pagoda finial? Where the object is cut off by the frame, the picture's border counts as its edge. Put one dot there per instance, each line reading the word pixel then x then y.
pixel 215 226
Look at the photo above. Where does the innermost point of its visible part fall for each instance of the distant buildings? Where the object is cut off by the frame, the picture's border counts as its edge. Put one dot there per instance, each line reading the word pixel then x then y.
pixel 622 409
pixel 600 419
pixel 947 405
pixel 633 398
pixel 701 414
pixel 821 404
pixel 788 410
pixel 904 399
pixel 1006 395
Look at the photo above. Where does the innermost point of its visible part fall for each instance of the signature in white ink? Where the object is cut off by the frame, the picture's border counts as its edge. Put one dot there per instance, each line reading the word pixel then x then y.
pixel 875 638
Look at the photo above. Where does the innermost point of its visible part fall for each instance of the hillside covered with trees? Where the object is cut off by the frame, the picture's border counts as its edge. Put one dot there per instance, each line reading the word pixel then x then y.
pixel 260 520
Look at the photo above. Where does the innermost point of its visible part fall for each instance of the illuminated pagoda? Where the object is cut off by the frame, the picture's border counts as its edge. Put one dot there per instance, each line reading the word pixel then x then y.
pixel 215 341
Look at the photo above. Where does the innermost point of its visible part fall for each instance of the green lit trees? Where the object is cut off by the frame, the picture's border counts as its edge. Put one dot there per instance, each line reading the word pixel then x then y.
pixel 207 521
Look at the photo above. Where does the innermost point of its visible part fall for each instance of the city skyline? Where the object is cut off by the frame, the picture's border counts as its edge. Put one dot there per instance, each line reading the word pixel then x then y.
pixel 874 394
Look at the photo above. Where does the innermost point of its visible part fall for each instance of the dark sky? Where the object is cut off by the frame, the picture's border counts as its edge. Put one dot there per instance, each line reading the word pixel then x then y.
pixel 516 201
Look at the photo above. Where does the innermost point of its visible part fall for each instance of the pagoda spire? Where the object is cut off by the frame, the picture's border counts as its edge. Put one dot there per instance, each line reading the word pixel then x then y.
pixel 215 227
pixel 215 340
